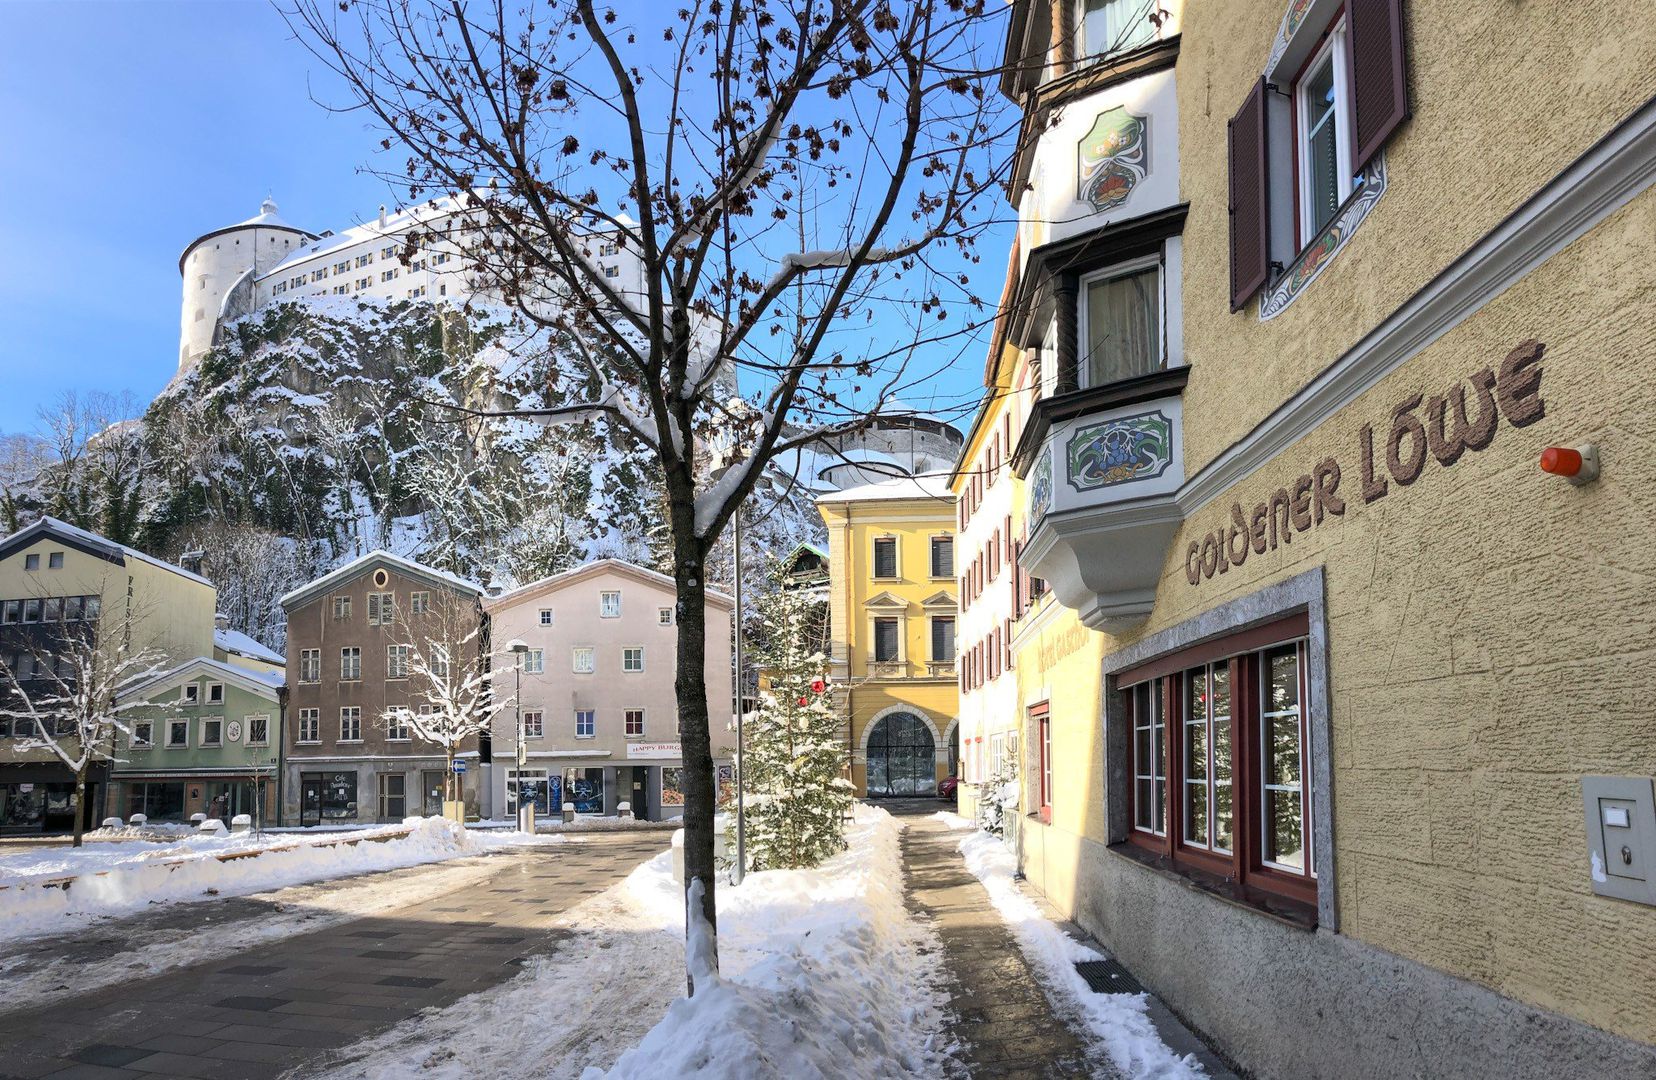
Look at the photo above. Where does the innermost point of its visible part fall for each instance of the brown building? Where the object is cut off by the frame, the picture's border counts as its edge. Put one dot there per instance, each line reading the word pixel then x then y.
pixel 352 634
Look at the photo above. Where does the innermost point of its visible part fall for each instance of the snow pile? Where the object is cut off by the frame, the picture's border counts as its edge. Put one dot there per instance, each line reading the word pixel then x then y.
pixel 118 878
pixel 1120 1022
pixel 822 974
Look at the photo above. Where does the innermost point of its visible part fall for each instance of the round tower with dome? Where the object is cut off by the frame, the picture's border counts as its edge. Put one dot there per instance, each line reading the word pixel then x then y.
pixel 219 270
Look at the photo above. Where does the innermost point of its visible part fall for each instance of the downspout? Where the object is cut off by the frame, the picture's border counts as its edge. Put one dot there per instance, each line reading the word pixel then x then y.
pixel 281 749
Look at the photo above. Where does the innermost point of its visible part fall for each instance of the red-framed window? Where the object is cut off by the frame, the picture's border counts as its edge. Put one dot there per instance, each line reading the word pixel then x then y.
pixel 1218 738
pixel 1041 718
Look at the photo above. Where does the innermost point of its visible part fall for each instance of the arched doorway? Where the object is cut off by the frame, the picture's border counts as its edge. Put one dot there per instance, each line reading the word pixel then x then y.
pixel 901 756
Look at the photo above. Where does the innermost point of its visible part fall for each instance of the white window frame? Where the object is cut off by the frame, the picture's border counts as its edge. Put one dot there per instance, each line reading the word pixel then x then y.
pixel 1083 335
pixel 534 662
pixel 189 694
pixel 419 603
pixel 534 728
pixel 247 726
pixel 604 609
pixel 216 743
pixel 147 740
pixel 314 718
pixel 575 657
pixel 396 662
pixel 664 616
pixel 215 693
pixel 185 745
pixel 626 650
pixel 592 723
pixel 626 718
pixel 396 726
pixel 1083 58
pixel 546 616
pixel 1334 50
pixel 343 650
pixel 311 660
pixel 357 709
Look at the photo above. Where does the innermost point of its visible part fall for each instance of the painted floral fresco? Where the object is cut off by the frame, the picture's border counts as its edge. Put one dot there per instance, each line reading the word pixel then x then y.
pixel 1120 451
pixel 1112 158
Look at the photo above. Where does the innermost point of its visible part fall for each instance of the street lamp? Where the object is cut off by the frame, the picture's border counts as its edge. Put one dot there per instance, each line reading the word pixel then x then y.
pixel 520 648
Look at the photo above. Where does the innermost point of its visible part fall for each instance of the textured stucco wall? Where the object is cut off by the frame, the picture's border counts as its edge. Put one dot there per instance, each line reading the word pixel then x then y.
pixel 1489 627
pixel 1505 94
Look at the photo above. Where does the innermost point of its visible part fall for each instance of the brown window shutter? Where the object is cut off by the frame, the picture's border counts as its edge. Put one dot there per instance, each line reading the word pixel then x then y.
pixel 1250 255
pixel 1379 86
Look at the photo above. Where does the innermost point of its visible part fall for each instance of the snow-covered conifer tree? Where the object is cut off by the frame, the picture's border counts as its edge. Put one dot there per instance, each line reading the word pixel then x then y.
pixel 793 769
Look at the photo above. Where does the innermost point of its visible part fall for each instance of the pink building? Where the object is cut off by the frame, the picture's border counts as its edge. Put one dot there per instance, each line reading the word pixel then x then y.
pixel 599 718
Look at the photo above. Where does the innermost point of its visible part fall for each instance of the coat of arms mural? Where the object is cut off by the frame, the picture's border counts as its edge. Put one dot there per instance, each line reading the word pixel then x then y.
pixel 1112 158
pixel 1120 451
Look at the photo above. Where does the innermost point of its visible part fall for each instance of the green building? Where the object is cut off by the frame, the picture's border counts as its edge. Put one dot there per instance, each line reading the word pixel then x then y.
pixel 209 742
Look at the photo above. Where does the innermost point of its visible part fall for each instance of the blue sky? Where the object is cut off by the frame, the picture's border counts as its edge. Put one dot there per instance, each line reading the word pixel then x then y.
pixel 129 128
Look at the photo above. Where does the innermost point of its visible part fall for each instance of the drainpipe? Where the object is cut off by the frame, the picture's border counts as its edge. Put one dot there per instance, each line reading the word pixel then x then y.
pixel 281 748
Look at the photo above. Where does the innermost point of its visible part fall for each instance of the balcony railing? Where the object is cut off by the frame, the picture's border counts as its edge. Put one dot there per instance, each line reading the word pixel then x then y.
pixel 1101 468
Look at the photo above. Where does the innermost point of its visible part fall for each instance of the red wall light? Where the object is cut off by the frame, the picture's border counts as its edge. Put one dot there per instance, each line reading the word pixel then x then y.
pixel 1577 464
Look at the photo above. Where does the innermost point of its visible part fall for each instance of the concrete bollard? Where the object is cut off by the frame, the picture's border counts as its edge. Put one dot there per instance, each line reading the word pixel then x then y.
pixel 241 823
pixel 212 827
pixel 568 812
pixel 197 819
pixel 138 821
pixel 111 823
pixel 623 810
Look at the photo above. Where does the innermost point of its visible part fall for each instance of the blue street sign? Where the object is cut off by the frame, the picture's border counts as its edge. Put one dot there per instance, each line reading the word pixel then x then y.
pixel 460 766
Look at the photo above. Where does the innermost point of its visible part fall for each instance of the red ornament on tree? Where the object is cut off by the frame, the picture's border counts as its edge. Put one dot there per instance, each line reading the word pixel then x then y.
pixel 818 686
pixel 802 699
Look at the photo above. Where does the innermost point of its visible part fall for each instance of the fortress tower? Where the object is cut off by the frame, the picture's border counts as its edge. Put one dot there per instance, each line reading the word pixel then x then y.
pixel 219 269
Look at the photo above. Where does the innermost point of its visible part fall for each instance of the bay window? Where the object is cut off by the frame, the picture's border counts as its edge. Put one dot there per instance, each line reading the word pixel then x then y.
pixel 1217 737
pixel 1121 323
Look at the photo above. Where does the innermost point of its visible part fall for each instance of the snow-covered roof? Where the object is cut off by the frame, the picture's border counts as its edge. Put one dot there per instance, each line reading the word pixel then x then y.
pixel 393 225
pixel 267 215
pixel 234 641
pixel 92 543
pixel 586 570
pixel 263 683
pixel 905 487
pixel 358 565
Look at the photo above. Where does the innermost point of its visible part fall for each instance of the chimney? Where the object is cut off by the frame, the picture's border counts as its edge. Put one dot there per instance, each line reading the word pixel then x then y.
pixel 221 621
pixel 191 560
pixel 382 215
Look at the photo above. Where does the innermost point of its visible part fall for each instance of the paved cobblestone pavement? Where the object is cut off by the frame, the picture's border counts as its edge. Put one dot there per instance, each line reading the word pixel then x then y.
pixel 274 1008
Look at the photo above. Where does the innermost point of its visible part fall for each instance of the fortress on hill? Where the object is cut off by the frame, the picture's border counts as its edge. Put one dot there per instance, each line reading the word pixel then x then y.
pixel 233 272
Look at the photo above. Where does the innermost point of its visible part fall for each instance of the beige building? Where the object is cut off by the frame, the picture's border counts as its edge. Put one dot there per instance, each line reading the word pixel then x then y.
pixel 54 580
pixel 1317 712
pixel 594 692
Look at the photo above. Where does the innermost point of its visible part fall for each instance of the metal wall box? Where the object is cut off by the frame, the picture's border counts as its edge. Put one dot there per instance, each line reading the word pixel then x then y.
pixel 1621 836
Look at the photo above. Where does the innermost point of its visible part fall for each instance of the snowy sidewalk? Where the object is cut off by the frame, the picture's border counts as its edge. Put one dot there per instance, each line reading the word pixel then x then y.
pixel 1005 1025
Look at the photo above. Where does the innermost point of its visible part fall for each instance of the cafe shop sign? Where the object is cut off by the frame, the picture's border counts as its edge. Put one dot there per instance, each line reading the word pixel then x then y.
pixel 1440 427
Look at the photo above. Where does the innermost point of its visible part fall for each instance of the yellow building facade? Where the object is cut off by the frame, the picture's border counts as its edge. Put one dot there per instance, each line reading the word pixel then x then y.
pixel 54 580
pixel 892 610
pixel 1332 488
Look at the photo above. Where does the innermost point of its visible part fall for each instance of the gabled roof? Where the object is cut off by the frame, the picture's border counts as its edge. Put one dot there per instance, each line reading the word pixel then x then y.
pixel 362 565
pixel 90 543
pixel 263 683
pixel 234 641
pixel 592 569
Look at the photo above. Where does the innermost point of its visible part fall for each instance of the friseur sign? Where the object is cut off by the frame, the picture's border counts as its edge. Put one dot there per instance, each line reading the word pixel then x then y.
pixel 1441 427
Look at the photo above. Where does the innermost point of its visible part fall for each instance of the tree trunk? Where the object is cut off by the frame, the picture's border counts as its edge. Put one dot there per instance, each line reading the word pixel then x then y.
pixel 690 688
pixel 80 806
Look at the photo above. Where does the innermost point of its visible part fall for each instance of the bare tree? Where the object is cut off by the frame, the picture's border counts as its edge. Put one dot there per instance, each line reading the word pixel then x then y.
pixel 800 184
pixel 451 697
pixel 63 686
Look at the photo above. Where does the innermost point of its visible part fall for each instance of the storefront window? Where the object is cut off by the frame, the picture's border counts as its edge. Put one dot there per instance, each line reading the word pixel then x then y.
pixel 328 796
pixel 585 788
pixel 156 801
pixel 22 806
pixel 672 790
pixel 533 787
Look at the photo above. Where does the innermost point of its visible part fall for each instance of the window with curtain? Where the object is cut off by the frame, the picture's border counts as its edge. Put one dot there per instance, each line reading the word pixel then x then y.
pixel 1112 26
pixel 1122 320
